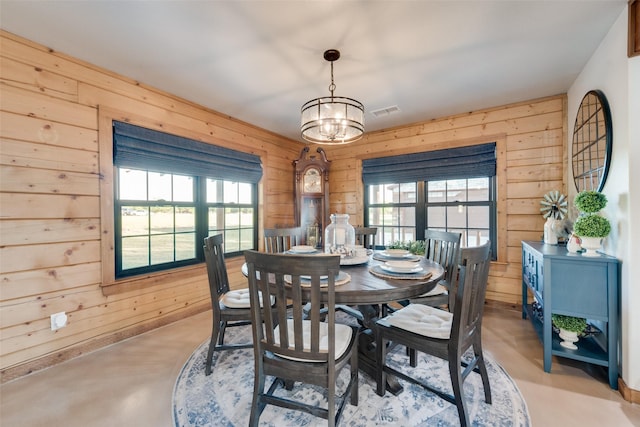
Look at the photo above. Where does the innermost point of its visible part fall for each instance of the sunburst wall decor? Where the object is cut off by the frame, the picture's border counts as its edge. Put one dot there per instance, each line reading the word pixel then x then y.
pixel 554 205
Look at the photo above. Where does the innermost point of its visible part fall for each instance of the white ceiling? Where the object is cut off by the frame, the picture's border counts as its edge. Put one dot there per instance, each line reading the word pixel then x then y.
pixel 259 61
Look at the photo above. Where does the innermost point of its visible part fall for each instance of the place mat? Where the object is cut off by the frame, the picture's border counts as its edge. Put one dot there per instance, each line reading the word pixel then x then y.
pixel 341 279
pixel 379 256
pixel 379 272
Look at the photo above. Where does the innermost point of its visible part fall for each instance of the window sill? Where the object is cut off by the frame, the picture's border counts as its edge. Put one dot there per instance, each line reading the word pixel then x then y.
pixel 152 279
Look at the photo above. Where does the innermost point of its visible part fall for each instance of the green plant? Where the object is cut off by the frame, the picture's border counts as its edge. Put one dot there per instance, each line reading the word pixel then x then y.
pixel 416 248
pixel 590 201
pixel 569 323
pixel 592 225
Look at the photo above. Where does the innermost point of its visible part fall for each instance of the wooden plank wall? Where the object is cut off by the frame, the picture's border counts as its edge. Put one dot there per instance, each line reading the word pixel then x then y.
pixel 51 230
pixel 50 203
pixel 531 151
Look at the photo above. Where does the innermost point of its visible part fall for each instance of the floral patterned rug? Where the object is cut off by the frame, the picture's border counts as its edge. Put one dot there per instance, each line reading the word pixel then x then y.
pixel 224 397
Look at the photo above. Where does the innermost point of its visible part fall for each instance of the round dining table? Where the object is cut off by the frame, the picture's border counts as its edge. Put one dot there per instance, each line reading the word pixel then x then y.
pixel 370 289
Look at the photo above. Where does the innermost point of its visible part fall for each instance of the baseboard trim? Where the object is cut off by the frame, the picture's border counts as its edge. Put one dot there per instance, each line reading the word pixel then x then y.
pixel 46 361
pixel 628 394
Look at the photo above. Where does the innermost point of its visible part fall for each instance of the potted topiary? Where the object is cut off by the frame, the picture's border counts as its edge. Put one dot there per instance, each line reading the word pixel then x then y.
pixel 570 329
pixel 590 226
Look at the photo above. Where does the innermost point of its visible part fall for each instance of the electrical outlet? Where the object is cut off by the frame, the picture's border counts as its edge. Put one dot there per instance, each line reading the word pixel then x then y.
pixel 58 320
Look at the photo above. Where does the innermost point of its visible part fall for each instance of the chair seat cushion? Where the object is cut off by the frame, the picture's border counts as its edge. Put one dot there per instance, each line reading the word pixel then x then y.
pixel 239 298
pixel 423 319
pixel 438 290
pixel 343 337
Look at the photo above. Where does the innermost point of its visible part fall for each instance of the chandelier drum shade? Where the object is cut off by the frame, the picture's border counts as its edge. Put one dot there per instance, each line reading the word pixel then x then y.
pixel 332 119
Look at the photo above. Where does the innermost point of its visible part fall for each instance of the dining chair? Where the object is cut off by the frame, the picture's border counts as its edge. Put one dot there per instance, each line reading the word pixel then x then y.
pixel 230 308
pixel 442 247
pixel 366 236
pixel 443 334
pixel 291 347
pixel 279 240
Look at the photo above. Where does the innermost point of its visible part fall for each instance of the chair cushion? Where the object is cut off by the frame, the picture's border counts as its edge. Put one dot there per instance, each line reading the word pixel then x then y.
pixel 423 320
pixel 438 290
pixel 239 298
pixel 343 337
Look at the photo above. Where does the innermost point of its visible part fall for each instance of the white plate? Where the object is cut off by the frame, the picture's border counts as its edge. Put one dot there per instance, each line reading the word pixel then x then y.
pixel 302 249
pixel 406 265
pixel 304 277
pixel 396 252
pixel 354 260
pixel 414 269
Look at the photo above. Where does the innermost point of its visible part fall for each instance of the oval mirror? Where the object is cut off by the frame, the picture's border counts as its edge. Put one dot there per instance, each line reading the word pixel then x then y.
pixel 592 139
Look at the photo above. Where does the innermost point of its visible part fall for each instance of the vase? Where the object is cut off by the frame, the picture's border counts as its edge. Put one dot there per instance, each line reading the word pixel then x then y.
pixel 339 236
pixel 550 236
pixel 591 245
pixel 568 339
pixel 573 244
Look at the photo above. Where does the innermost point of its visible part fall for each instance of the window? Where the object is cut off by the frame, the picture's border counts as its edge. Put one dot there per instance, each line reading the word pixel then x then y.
pixel 456 191
pixel 171 192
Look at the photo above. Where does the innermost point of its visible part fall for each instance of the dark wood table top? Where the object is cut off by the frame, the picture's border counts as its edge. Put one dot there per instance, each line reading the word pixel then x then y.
pixel 366 288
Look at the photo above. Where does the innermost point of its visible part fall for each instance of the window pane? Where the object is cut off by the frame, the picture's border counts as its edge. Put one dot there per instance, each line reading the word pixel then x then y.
pixel 216 218
pixel 231 217
pixel 161 248
pixel 436 191
pixel 476 237
pixel 183 188
pixel 135 220
pixel 246 236
pixel 408 192
pixel 479 217
pixel 161 219
pixel 246 217
pixel 436 217
pixel 407 216
pixel 159 186
pixel 132 184
pixel 456 190
pixel 455 218
pixel 185 246
pixel 214 191
pixel 232 240
pixel 135 252
pixel 230 192
pixel 376 194
pixel 245 196
pixel 185 219
pixel 479 189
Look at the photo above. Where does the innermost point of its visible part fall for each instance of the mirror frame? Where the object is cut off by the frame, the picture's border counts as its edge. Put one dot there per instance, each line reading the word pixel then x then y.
pixel 592 142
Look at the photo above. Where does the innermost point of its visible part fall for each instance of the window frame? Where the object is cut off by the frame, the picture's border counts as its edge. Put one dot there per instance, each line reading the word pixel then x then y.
pixel 502 253
pixel 104 204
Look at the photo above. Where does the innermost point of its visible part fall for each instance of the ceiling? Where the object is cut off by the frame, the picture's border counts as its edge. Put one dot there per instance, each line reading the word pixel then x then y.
pixel 259 61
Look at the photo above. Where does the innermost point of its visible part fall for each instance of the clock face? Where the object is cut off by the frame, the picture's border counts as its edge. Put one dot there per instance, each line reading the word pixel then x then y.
pixel 312 181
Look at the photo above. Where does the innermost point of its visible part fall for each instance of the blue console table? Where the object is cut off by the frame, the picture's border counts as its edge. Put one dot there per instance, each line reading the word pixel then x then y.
pixel 573 285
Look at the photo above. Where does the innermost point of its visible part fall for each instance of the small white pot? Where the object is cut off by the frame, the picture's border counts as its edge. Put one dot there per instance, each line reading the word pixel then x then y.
pixel 591 244
pixel 569 338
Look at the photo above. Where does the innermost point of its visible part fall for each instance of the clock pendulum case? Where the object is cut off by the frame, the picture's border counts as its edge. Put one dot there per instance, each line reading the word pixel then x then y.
pixel 311 193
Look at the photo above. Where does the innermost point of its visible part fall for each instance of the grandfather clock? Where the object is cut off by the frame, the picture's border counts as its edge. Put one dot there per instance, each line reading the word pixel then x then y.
pixel 311 187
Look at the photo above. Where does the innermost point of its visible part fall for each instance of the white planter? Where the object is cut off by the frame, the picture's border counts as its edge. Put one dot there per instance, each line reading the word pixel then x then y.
pixel 569 338
pixel 591 244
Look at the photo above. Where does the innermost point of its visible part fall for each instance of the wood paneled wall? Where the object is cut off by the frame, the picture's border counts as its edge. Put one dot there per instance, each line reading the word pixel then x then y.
pixel 54 234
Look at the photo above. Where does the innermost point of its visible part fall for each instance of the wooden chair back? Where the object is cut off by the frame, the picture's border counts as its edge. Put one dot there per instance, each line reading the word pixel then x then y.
pixel 289 347
pixel 280 240
pixel 366 236
pixel 443 247
pixel 223 316
pixel 470 290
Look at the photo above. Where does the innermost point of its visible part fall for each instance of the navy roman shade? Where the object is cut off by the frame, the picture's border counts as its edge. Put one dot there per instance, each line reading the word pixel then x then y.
pixel 140 148
pixel 452 163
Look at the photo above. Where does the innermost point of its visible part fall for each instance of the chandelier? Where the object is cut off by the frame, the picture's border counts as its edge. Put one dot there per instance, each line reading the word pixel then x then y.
pixel 332 119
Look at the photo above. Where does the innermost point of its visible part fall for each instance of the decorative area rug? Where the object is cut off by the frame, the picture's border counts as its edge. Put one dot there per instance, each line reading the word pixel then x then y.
pixel 224 398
